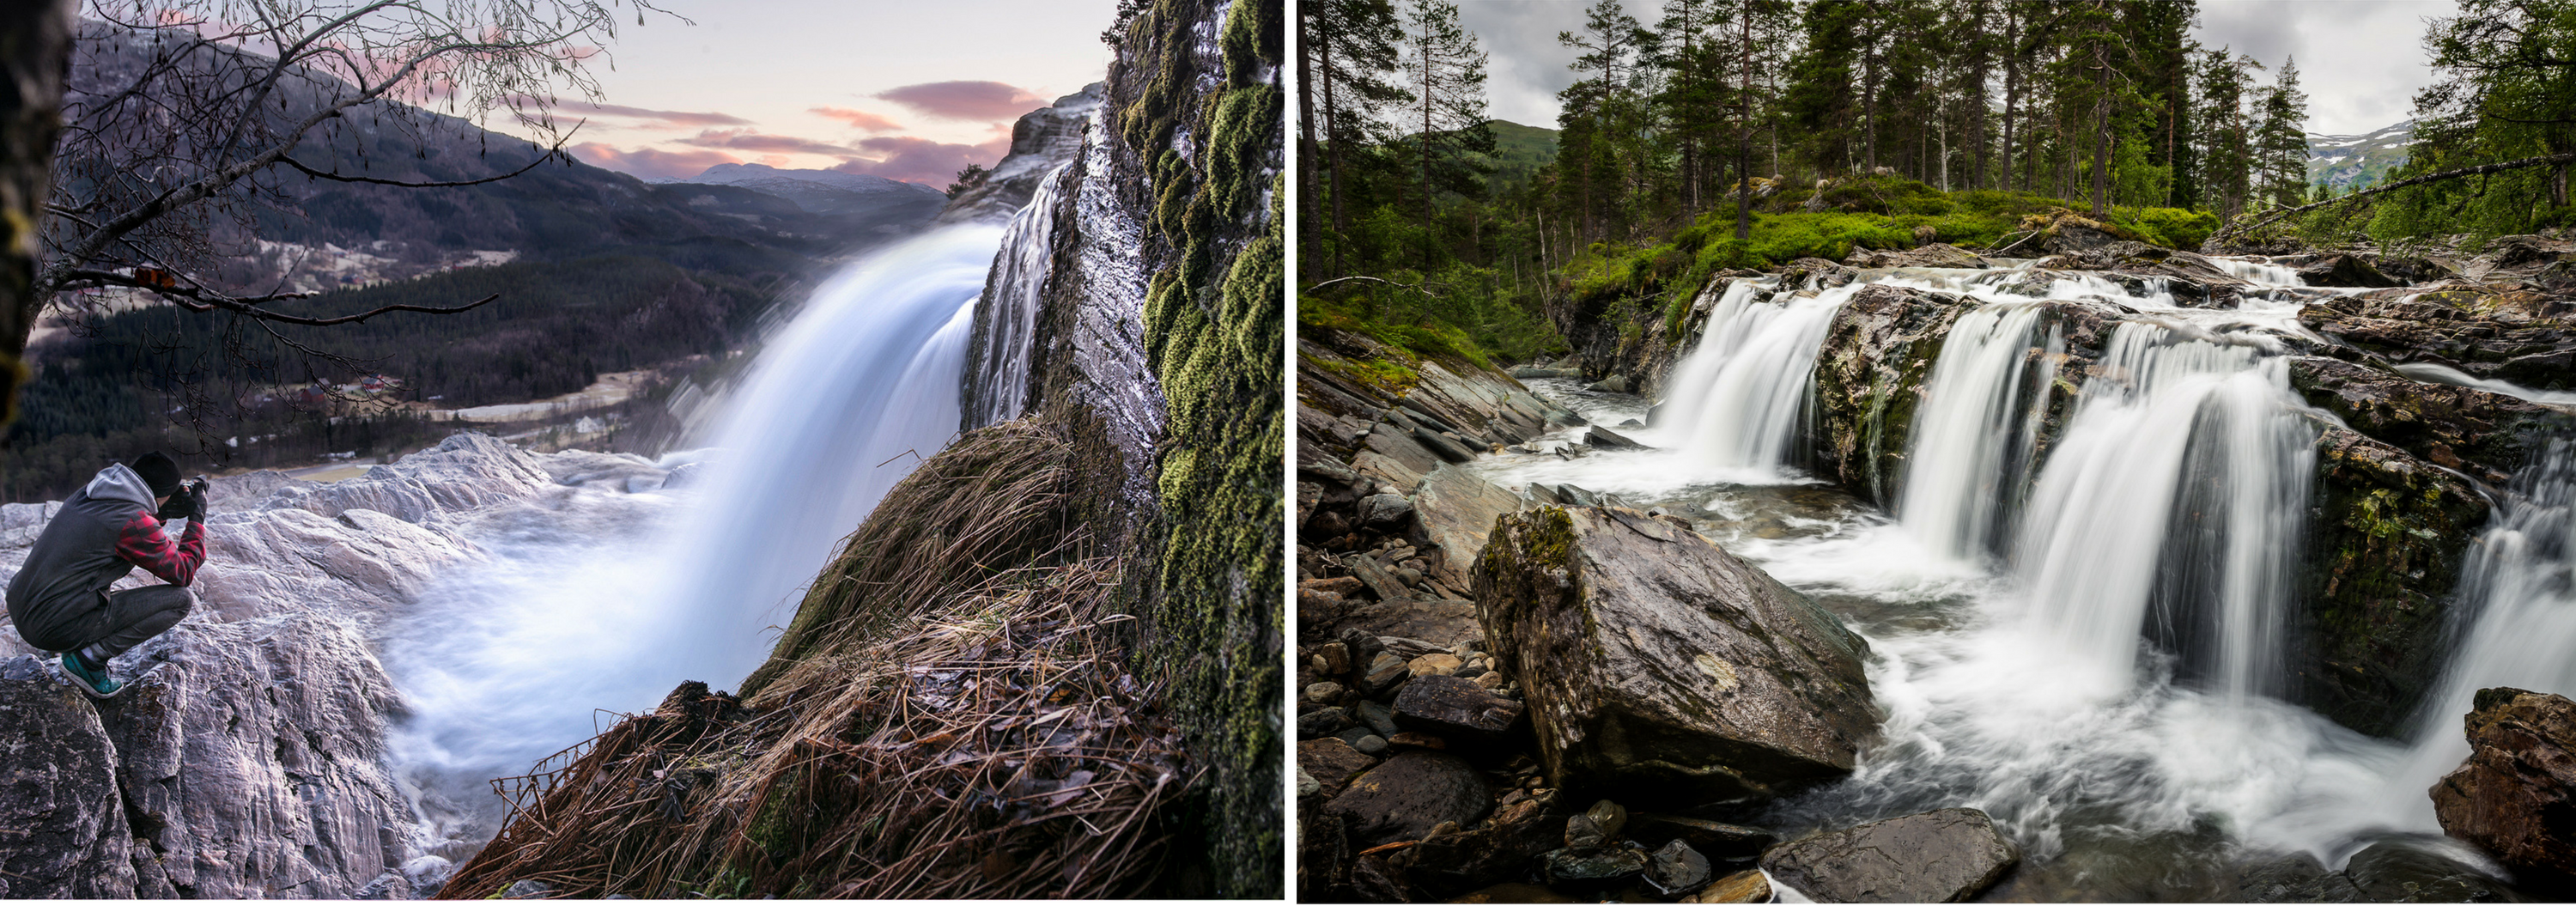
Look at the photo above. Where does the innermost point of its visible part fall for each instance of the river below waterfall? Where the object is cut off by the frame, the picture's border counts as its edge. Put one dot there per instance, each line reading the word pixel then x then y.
pixel 2065 641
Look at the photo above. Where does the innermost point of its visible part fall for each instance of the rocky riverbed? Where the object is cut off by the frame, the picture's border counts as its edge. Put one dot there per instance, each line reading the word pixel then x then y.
pixel 1643 675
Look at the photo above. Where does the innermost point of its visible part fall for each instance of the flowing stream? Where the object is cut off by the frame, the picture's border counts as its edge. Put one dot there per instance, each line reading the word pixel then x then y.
pixel 2082 635
pixel 607 601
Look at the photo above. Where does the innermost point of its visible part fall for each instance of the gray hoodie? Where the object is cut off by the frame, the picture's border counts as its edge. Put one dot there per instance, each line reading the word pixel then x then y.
pixel 99 536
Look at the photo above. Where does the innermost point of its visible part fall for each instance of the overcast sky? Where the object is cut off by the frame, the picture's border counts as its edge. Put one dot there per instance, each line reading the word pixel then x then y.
pixel 2360 61
pixel 909 90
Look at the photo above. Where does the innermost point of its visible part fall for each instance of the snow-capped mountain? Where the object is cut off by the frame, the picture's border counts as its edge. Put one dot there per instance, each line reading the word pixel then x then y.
pixel 2348 162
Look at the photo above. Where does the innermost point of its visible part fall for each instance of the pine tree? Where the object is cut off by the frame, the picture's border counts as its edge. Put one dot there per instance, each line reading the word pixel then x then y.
pixel 1351 57
pixel 2226 139
pixel 1596 110
pixel 2281 143
pixel 1446 69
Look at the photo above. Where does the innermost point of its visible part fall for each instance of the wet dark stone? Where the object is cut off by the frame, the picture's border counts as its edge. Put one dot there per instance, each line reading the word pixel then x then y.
pixel 2398 873
pixel 1943 856
pixel 1409 794
pixel 1677 867
pixel 1456 708
pixel 1375 716
pixel 1331 762
pixel 1603 439
pixel 1321 722
pixel 1599 866
pixel 2515 795
pixel 2295 878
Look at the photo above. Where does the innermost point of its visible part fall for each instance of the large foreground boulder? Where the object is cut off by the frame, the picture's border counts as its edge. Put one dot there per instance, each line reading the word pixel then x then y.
pixel 1655 663
pixel 1943 856
pixel 2515 796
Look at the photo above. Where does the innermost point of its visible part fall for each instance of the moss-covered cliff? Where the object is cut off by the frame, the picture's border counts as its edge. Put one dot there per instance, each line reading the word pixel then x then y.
pixel 1208 119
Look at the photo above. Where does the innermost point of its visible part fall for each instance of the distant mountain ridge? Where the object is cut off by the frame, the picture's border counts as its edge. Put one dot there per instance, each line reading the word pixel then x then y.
pixel 2348 162
pixel 817 191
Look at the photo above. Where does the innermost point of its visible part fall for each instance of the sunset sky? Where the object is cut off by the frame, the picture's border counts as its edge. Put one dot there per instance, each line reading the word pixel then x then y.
pixel 912 91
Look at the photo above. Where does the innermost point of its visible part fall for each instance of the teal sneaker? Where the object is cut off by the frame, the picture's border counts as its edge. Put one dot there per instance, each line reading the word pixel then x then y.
pixel 96 684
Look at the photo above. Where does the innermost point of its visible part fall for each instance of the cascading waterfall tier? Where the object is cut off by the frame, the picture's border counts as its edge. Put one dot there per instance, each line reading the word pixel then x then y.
pixel 997 383
pixel 1741 397
pixel 2172 502
pixel 1975 429
pixel 2520 585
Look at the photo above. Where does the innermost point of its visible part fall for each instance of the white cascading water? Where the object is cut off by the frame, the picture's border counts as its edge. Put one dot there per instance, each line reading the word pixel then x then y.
pixel 999 388
pixel 2166 412
pixel 1974 423
pixel 513 658
pixel 2261 272
pixel 1740 397
pixel 2520 585
pixel 2445 374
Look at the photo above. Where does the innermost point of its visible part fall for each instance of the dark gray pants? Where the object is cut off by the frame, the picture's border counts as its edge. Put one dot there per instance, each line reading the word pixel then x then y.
pixel 121 621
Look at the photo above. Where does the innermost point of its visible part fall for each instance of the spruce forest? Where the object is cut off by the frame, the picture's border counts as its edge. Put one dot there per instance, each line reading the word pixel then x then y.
pixel 1738 134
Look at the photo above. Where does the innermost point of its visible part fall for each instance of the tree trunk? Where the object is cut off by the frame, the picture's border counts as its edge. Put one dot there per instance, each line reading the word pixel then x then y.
pixel 1333 158
pixel 1427 90
pixel 1977 96
pixel 2012 95
pixel 1744 133
pixel 35 59
pixel 1305 134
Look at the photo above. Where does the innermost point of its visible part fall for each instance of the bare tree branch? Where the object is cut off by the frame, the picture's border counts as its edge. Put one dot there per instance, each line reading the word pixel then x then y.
pixel 551 154
pixel 199 299
pixel 2242 227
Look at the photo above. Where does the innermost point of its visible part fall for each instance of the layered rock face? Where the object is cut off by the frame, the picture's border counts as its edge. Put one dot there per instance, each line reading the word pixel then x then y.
pixel 1657 663
pixel 2515 796
pixel 248 758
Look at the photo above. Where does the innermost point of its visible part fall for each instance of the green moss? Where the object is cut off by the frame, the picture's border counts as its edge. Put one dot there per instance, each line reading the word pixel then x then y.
pixel 1214 326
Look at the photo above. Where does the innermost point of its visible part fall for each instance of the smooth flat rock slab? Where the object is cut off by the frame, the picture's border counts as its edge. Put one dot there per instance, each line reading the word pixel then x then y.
pixel 1943 856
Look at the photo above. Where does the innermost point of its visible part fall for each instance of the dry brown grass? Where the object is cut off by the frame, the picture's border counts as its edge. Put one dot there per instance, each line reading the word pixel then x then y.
pixel 949 716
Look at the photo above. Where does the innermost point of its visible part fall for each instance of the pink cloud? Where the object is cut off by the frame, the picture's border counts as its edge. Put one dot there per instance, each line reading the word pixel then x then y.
pixel 921 160
pixel 650 162
pixel 667 119
pixel 858 119
pixel 965 100
pixel 748 140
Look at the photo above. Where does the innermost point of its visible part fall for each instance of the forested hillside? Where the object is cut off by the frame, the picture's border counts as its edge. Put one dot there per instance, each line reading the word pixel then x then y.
pixel 1745 133
pixel 590 271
